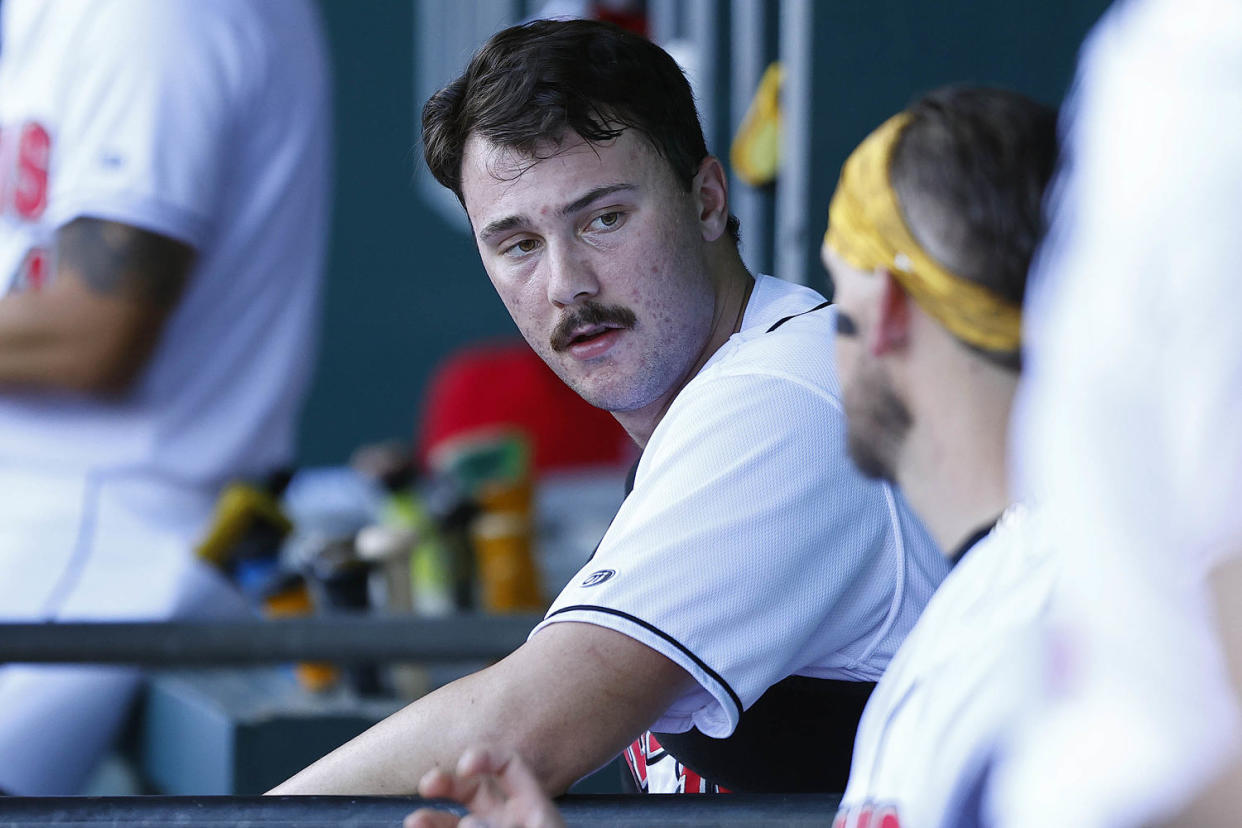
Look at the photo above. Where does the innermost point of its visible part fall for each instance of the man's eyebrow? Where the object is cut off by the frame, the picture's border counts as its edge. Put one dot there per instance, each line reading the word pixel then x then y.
pixel 499 226
pixel 599 192
pixel 495 228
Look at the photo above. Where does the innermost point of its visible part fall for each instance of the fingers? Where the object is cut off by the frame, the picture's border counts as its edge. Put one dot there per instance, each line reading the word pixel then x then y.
pixel 498 787
pixel 511 770
pixel 440 784
pixel 525 804
pixel 430 818
pixel 477 761
pixel 435 784
pixel 519 780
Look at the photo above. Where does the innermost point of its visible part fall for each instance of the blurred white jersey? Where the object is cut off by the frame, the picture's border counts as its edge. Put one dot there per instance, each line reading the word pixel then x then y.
pixel 1130 423
pixel 203 122
pixel 208 123
pixel 931 727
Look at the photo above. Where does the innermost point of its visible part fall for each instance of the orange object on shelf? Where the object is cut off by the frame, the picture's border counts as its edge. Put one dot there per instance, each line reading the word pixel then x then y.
pixel 508 581
pixel 295 600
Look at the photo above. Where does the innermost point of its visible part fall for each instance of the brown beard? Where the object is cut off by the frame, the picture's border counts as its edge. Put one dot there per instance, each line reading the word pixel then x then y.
pixel 877 425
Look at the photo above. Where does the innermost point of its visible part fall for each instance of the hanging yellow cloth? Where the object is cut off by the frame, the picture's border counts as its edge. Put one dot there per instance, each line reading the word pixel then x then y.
pixel 756 150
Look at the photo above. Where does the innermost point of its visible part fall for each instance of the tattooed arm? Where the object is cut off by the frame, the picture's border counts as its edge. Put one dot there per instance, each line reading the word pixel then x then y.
pixel 94 327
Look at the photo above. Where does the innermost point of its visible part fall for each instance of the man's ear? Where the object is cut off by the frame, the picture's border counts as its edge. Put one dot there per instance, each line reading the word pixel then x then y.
pixel 892 325
pixel 710 189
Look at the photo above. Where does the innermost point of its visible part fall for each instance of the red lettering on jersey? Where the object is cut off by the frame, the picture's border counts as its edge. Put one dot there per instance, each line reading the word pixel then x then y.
pixel 34 154
pixel 888 819
pixel 33 273
pixel 869 815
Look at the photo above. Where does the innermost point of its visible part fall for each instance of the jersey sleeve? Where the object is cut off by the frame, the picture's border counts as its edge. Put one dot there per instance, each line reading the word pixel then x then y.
pixel 750 549
pixel 150 103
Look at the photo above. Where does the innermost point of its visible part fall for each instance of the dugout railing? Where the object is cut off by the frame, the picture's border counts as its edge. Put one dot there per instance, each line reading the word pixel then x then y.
pixel 343 639
pixel 701 811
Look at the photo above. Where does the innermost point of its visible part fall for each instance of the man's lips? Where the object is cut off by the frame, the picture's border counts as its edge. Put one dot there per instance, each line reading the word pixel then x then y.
pixel 588 332
pixel 594 342
pixel 590 322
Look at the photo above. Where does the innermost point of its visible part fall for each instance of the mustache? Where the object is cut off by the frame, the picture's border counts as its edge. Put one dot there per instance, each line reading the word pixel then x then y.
pixel 588 314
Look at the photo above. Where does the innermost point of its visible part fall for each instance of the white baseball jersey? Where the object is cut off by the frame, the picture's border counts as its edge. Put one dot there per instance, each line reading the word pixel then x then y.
pixel 202 122
pixel 933 723
pixel 750 548
pixel 1131 421
pixel 206 122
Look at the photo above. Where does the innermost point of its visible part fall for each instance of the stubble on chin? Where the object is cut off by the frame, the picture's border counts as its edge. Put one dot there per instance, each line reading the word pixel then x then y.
pixel 877 424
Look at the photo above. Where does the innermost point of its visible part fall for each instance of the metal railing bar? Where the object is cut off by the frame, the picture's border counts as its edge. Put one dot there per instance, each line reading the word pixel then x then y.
pixel 725 810
pixel 341 639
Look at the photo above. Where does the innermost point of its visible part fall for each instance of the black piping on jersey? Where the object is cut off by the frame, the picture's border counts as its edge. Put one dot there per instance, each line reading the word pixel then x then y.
pixel 780 322
pixel 632 475
pixel 712 674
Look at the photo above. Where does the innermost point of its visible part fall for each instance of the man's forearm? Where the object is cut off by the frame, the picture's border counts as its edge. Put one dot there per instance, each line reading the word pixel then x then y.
pixel 42 339
pixel 392 756
pixel 28 351
pixel 567 701
pixel 94 325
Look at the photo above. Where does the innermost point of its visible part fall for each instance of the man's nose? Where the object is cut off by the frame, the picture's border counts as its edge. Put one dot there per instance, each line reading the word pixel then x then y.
pixel 571 277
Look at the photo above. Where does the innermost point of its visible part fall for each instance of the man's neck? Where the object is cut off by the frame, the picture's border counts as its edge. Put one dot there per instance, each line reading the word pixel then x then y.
pixel 736 284
pixel 953 469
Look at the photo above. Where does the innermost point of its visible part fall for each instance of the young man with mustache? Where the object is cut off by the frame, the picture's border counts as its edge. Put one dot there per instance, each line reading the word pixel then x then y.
pixel 753 585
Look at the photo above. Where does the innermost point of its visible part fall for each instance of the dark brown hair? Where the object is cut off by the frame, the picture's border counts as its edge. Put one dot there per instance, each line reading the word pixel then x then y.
pixel 537 81
pixel 970 170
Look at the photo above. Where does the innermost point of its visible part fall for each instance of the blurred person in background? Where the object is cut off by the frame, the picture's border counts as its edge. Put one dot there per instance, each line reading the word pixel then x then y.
pixel 1130 432
pixel 930 236
pixel 753 584
pixel 931 233
pixel 164 170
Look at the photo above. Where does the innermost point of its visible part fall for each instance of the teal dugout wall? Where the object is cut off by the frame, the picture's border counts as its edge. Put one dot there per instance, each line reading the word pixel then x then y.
pixel 405 286
pixel 870 59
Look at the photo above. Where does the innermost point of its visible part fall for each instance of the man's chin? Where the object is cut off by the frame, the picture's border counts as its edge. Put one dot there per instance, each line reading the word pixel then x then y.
pixel 604 398
pixel 614 386
pixel 611 403
pixel 609 397
pixel 869 462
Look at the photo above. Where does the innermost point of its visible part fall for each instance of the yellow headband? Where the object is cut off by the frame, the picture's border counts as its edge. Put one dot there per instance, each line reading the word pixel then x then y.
pixel 866 229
